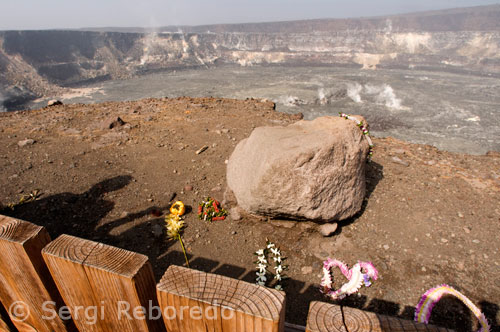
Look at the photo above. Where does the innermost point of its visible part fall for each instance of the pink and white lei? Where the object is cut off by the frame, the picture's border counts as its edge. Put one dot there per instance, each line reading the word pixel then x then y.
pixel 360 274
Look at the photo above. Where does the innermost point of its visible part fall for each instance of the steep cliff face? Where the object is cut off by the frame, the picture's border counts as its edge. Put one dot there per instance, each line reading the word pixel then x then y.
pixel 40 63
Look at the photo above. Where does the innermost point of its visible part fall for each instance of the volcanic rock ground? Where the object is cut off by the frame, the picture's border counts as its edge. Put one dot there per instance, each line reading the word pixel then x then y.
pixel 430 217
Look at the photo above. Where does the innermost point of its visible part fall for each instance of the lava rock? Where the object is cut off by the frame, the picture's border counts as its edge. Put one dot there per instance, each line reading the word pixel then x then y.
pixel 54 102
pixel 307 170
pixel 328 229
pixel 118 122
pixel 400 161
pixel 25 142
pixel 235 213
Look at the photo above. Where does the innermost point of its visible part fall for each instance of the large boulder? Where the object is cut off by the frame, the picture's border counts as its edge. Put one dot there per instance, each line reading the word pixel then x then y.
pixel 307 170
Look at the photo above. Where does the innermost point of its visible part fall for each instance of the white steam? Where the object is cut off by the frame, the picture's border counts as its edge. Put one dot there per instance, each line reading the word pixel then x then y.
pixel 384 95
pixel 290 101
pixel 353 91
pixel 324 96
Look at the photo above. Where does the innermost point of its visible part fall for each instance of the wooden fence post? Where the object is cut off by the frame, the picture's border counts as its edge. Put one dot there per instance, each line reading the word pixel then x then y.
pixel 325 317
pixel 195 301
pixel 105 288
pixel 26 288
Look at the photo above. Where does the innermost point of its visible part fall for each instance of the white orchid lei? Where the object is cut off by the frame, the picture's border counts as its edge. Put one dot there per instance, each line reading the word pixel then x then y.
pixel 364 129
pixel 263 260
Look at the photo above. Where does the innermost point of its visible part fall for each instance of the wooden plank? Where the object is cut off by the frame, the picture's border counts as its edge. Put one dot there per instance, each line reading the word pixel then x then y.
pixel 325 317
pixel 4 327
pixel 103 285
pixel 25 282
pixel 219 303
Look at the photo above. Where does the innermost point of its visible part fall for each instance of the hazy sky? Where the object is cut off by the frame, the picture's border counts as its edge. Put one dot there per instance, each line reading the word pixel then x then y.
pixel 46 14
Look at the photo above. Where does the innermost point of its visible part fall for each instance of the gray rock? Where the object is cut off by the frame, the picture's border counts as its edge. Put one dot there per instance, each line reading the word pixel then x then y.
pixel 328 229
pixel 235 213
pixel 25 142
pixel 307 170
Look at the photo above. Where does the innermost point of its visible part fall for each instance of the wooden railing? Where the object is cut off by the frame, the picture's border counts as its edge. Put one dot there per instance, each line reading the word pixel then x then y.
pixel 72 284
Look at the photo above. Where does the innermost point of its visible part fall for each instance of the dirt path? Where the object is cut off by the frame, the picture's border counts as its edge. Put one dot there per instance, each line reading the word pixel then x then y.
pixel 430 217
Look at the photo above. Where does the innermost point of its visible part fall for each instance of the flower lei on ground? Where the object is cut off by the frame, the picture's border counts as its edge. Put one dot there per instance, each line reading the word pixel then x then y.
pixel 175 224
pixel 355 276
pixel 262 261
pixel 210 210
pixel 364 129
pixel 433 295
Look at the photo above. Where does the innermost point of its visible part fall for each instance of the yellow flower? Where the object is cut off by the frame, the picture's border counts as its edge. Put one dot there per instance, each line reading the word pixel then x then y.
pixel 174 225
pixel 178 208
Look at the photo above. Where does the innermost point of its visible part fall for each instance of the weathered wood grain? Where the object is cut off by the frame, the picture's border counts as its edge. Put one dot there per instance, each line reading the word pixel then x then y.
pixel 195 301
pixel 325 317
pixel 25 282
pixel 113 281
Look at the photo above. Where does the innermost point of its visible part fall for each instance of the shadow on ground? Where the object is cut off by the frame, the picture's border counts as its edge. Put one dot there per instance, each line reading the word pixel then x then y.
pixel 81 215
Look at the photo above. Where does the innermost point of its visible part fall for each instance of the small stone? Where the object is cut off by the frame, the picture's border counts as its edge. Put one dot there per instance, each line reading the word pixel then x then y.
pixel 444 240
pixel 460 215
pixel 118 122
pixel 399 161
pixel 466 230
pixel 216 188
pixel 124 214
pixel 485 256
pixel 306 270
pixel 430 162
pixel 386 247
pixel 203 148
pixel 54 102
pixel 188 188
pixel 233 233
pixel 25 142
pixel 399 151
pixel 328 229
pixel 225 131
pixel 235 213
pixel 475 241
pixel 424 269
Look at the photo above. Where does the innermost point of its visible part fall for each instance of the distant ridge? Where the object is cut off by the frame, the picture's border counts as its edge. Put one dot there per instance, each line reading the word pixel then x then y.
pixel 478 18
